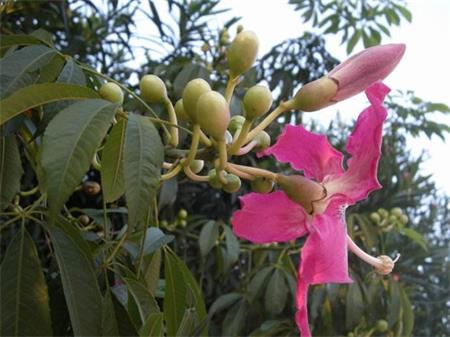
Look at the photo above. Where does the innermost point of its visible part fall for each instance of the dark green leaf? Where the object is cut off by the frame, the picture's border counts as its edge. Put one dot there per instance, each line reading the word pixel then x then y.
pixel 234 320
pixel 81 289
pixel 353 41
pixel 223 302
pixel 24 298
pixel 394 303
pixel 416 237
pixel 153 327
pixel 258 282
pixel 232 245
pixel 189 322
pixel 51 70
pixel 39 94
pixel 208 237
pixel 408 314
pixel 354 305
pixel 144 300
pixel 68 146
pixel 16 68
pixel 153 271
pixel 276 293
pixel 143 157
pixel 109 321
pixel 10 170
pixel 112 165
pixel 7 41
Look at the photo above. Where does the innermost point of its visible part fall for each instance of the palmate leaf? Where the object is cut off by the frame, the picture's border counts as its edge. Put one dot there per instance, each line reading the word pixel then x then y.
pixel 16 68
pixel 112 163
pixel 143 156
pixel 68 146
pixel 39 94
pixel 10 169
pixel 81 290
pixel 24 297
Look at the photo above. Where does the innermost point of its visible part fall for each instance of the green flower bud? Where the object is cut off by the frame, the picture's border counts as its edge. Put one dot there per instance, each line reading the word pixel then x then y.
pixel 182 223
pixel 182 214
pixel 404 219
pixel 197 165
pixel 111 92
pixel 213 114
pixel 397 211
pixel 375 217
pixel 236 123
pixel 257 101
pixel 242 53
pixel 239 29
pixel 153 89
pixel 233 183
pixel 191 93
pixel 314 95
pixel 392 219
pixel 383 212
pixel 180 112
pixel 263 141
pixel 262 185
pixel 214 180
pixel 382 326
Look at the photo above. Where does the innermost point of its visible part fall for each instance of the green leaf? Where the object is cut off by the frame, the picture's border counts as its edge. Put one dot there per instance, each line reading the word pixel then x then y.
pixel 51 70
pixel 175 294
pixel 223 302
pixel 153 327
pixel 232 245
pixel 405 12
pixel 353 41
pixel 7 41
pixel 39 94
pixel 81 289
pixel 145 301
pixel 208 237
pixel 179 281
pixel 24 297
pixel 354 305
pixel 152 272
pixel 276 293
pixel 408 314
pixel 416 237
pixel 112 165
pixel 72 73
pixel 394 303
pixel 16 68
pixel 10 170
pixel 109 321
pixel 143 156
pixel 258 282
pixel 234 320
pixel 68 146
pixel 187 325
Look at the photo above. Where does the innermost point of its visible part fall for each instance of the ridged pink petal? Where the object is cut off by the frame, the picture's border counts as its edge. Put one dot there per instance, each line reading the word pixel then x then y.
pixel 306 151
pixel 364 146
pixel 323 257
pixel 269 218
pixel 367 67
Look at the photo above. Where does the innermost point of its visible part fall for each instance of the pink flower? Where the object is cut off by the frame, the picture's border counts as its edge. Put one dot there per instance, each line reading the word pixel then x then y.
pixel 349 78
pixel 317 207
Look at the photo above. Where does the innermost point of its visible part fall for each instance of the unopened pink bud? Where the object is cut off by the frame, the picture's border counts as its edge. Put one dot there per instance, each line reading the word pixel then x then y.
pixel 361 70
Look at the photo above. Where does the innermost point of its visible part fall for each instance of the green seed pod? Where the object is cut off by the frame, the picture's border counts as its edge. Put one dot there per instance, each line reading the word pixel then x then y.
pixel 314 95
pixel 257 101
pixel 404 219
pixel 262 185
pixel 242 53
pixel 375 217
pixel 233 183
pixel 236 123
pixel 191 93
pixel 111 92
pixel 213 114
pixel 180 112
pixel 182 214
pixel 197 165
pixel 382 326
pixel 383 212
pixel 214 180
pixel 263 140
pixel 397 211
pixel 153 89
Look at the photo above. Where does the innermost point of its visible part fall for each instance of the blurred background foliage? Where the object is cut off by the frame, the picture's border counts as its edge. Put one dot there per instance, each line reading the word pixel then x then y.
pixel 248 289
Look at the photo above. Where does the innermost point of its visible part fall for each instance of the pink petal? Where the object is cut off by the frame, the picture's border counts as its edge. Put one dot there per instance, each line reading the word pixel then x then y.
pixel 323 257
pixel 306 151
pixel 364 146
pixel 367 67
pixel 269 218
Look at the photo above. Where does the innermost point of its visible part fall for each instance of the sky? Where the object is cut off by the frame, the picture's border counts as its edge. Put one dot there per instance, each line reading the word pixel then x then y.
pixel 425 67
